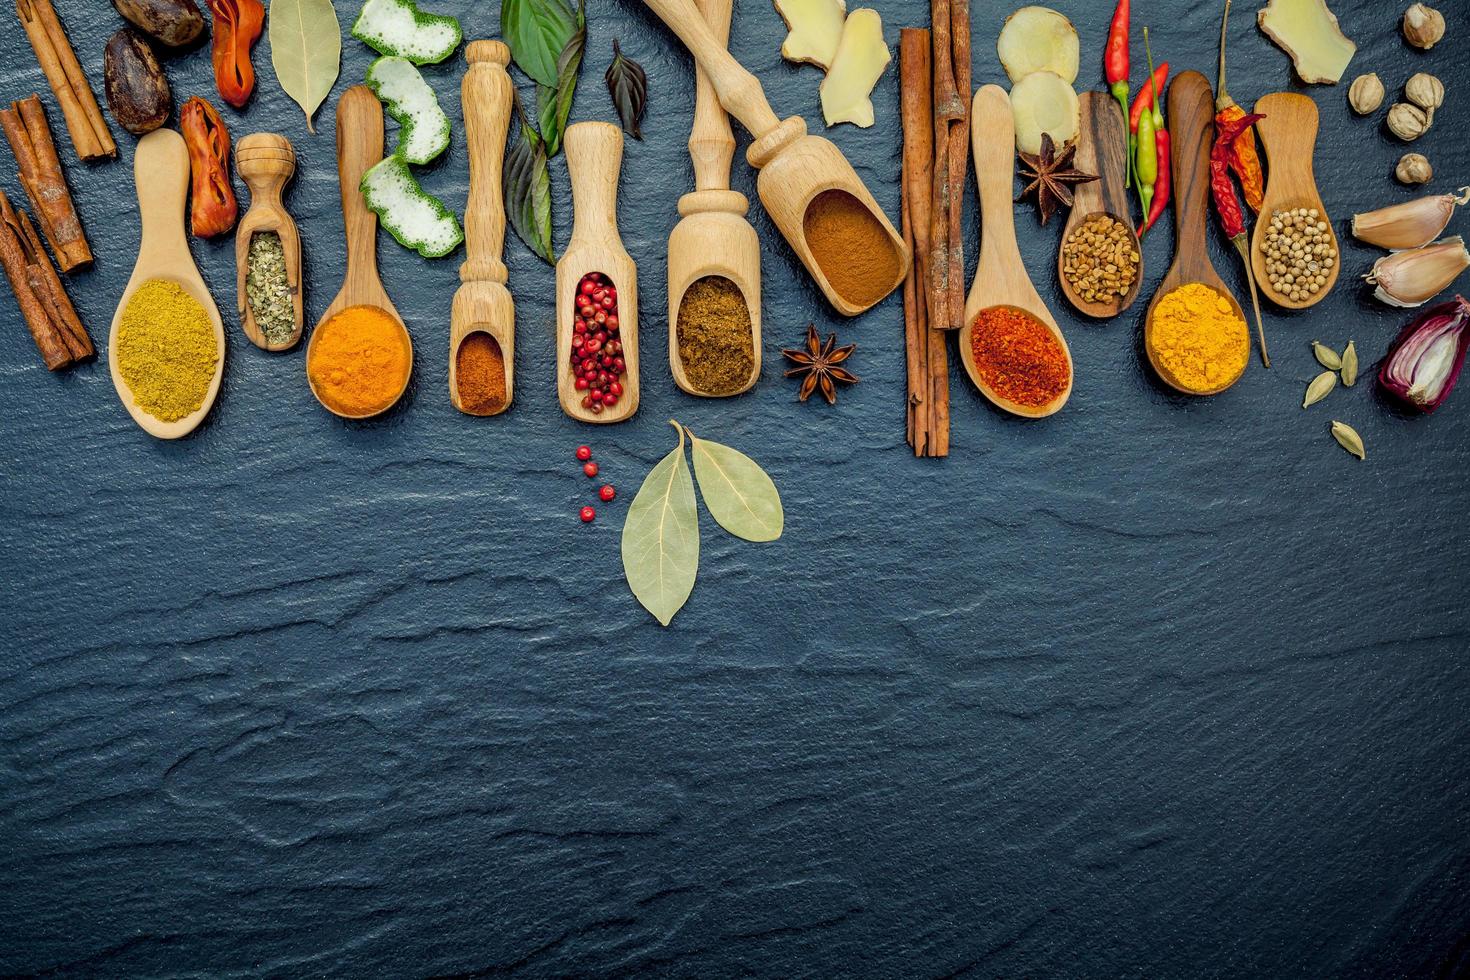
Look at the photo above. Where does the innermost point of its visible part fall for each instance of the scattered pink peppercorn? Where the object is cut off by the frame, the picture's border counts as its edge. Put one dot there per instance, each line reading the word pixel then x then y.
pixel 607 493
pixel 588 514
pixel 584 453
pixel 591 468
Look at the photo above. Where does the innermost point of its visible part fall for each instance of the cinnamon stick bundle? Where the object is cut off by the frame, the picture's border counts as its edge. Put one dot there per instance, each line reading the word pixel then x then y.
pixel 29 136
pixel 90 137
pixel 44 305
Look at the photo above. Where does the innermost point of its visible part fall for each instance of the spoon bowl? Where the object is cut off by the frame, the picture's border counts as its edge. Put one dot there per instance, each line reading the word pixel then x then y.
pixel 1101 147
pixel 1289 135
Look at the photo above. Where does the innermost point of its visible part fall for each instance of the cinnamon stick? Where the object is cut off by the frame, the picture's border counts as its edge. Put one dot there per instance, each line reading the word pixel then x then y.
pixel 48 313
pixel 917 114
pixel 959 155
pixel 30 140
pixel 54 297
pixel 90 137
pixel 948 106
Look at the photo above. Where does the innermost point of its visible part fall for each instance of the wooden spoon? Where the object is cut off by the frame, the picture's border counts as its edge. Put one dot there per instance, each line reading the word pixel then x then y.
pixel 1000 278
pixel 1102 147
pixel 1192 127
pixel 161 172
pixel 266 163
pixel 1289 135
pixel 482 303
pixel 713 238
pixel 594 160
pixel 359 146
pixel 794 167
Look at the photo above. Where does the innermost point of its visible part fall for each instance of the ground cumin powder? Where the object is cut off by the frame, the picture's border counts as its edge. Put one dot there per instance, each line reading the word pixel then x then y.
pixel 479 374
pixel 713 330
pixel 852 247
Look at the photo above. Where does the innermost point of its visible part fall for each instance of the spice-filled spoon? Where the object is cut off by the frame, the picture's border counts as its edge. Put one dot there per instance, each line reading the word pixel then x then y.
pixel 811 192
pixel 1289 134
pixel 1192 110
pixel 367 314
pixel 266 162
pixel 483 307
pixel 173 305
pixel 596 286
pixel 1102 145
pixel 1001 282
pixel 713 244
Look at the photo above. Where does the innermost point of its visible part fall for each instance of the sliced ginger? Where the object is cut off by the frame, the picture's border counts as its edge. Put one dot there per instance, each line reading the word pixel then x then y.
pixel 815 29
pixel 862 55
pixel 1043 102
pixel 1308 31
pixel 1038 39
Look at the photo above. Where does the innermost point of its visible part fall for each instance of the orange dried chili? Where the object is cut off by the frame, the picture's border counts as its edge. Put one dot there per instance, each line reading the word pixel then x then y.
pixel 1019 357
pixel 213 209
pixel 237 26
pixel 1244 158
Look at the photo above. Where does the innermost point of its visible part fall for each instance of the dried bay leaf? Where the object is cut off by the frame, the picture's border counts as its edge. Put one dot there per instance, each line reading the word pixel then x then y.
pixel 1320 388
pixel 739 494
pixel 306 51
pixel 1350 365
pixel 661 537
pixel 1326 356
pixel 1347 437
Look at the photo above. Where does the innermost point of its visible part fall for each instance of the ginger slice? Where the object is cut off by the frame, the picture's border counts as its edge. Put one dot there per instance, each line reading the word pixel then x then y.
pixel 861 58
pixel 1038 39
pixel 1308 31
pixel 815 27
pixel 1043 102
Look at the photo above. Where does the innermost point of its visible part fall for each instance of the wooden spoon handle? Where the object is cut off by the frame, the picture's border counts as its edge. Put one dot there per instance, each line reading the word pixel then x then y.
pixel 359 146
pixel 1289 135
pixel 486 93
pixel 711 142
pixel 594 160
pixel 993 135
pixel 739 91
pixel 161 171
pixel 1192 129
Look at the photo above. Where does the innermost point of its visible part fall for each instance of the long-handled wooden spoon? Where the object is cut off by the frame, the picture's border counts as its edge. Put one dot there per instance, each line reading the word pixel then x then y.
pixel 161 171
pixel 1000 278
pixel 713 238
pixel 594 160
pixel 266 162
pixel 795 167
pixel 1289 135
pixel 359 146
pixel 1102 147
pixel 1192 115
pixel 482 303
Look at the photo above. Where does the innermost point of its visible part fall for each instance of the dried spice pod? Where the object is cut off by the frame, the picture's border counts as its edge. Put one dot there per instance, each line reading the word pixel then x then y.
pixel 137 91
pixel 173 23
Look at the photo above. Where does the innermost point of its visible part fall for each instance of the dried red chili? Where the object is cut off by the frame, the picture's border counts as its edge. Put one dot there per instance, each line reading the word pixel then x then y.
pixel 1019 357
pixel 1227 204
pixel 213 209
pixel 1244 158
pixel 237 26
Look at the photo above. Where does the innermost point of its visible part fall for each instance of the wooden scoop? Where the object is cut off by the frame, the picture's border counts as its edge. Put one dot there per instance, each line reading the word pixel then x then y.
pixel 713 238
pixel 1000 278
pixel 1289 135
pixel 359 146
pixel 1102 147
pixel 266 163
pixel 161 171
pixel 794 167
pixel 482 303
pixel 1192 120
pixel 594 160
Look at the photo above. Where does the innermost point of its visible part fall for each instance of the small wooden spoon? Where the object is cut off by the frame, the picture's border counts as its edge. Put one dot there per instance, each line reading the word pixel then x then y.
pixel 1000 278
pixel 1192 122
pixel 161 172
pixel 482 303
pixel 1102 147
pixel 594 160
pixel 713 238
pixel 1289 135
pixel 359 146
pixel 266 163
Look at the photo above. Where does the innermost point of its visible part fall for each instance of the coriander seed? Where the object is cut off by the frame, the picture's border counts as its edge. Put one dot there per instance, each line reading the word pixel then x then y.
pixel 1300 252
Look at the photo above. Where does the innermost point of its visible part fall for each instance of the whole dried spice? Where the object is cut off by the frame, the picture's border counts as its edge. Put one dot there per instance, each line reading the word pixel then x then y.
pixel 1099 259
pixel 1320 388
pixel 213 209
pixel 1423 26
pixel 1366 93
pixel 1347 437
pixel 237 26
pixel 817 365
pixel 1019 357
pixel 1350 365
pixel 1414 168
pixel 1407 122
pixel 1326 356
pixel 1052 176
pixel 1244 156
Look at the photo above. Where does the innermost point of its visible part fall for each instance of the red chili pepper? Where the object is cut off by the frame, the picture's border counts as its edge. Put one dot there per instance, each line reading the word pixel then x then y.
pixel 1164 186
pixel 1115 65
pixel 1145 97
pixel 237 26
pixel 1227 204
pixel 213 209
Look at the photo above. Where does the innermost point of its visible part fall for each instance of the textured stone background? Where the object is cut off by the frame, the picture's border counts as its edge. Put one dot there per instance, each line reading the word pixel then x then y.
pixel 1156 687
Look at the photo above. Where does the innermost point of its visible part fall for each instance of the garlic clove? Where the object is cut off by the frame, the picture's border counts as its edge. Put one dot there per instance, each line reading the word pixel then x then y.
pixel 1410 224
pixel 1414 168
pixel 1413 277
pixel 1423 26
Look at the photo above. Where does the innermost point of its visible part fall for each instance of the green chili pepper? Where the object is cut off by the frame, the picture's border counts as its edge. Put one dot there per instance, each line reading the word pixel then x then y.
pixel 1146 166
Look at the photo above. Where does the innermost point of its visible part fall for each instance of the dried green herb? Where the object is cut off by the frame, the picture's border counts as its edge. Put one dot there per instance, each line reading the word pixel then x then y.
pixel 527 188
pixel 537 32
pixel 1320 388
pixel 554 103
pixel 1347 437
pixel 306 51
pixel 1349 365
pixel 628 84
pixel 1326 356
pixel 738 493
pixel 661 537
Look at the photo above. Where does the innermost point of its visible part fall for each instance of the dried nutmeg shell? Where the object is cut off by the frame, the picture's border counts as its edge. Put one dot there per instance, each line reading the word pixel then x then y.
pixel 1406 121
pixel 1414 168
pixel 1366 93
pixel 1423 26
pixel 1426 92
pixel 137 91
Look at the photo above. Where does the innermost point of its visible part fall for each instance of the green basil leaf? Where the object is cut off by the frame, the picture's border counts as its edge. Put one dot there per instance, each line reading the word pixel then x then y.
pixel 526 184
pixel 627 82
pixel 738 493
pixel 537 32
pixel 555 104
pixel 661 537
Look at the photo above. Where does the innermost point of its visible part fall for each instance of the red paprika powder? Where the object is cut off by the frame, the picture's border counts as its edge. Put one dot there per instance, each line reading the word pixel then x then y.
pixel 1019 357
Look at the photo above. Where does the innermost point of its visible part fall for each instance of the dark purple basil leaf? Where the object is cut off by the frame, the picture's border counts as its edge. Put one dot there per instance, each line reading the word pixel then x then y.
pixel 527 187
pixel 628 84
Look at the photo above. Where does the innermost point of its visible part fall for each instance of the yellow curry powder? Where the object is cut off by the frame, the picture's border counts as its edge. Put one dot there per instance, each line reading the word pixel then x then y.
pixel 166 350
pixel 359 361
pixel 1198 339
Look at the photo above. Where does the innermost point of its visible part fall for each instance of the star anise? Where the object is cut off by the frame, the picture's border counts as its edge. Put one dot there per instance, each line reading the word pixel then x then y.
pixel 1052 175
pixel 817 366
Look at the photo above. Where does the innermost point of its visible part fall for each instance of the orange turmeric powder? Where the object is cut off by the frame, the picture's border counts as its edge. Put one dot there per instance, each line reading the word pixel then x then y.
pixel 358 362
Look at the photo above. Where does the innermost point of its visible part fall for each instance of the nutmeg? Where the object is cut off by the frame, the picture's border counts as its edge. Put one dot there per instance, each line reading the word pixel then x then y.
pixel 1423 26
pixel 1365 95
pixel 1407 122
pixel 1426 92
pixel 1414 168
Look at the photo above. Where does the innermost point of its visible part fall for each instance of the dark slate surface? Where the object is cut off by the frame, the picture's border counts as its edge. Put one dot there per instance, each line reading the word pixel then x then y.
pixel 1156 687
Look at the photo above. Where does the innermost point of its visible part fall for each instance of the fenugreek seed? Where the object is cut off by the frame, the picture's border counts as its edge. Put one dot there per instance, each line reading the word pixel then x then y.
pixel 1320 388
pixel 1347 437
pixel 1349 365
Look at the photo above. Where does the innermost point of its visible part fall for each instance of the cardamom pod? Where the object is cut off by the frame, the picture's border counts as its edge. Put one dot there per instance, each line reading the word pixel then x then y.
pixel 1347 437
pixel 1320 388
pixel 1349 365
pixel 1326 356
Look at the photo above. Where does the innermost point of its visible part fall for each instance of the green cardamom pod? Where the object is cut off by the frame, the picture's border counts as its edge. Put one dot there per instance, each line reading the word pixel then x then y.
pixel 1326 356
pixel 1347 437
pixel 1320 388
pixel 1349 365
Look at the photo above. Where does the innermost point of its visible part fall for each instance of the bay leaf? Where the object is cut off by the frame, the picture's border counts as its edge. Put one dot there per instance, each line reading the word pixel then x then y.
pixel 1326 356
pixel 306 51
pixel 1320 388
pixel 526 185
pixel 1347 437
pixel 1350 365
pixel 738 493
pixel 537 31
pixel 661 537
